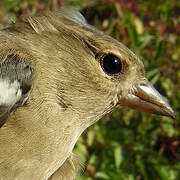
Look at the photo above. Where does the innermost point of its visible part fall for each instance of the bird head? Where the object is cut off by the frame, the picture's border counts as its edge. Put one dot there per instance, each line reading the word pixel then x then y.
pixel 94 73
pixel 86 72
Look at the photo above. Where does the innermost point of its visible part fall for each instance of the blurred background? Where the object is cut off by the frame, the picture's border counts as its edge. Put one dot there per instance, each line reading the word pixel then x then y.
pixel 128 145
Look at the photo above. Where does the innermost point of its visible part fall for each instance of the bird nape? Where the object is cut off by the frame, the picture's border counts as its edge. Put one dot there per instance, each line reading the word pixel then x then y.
pixel 59 75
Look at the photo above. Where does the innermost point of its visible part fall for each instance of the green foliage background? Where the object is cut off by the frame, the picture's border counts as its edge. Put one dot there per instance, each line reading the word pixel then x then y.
pixel 128 145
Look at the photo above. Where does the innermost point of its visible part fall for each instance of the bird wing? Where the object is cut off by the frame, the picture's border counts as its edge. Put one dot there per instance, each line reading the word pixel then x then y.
pixel 15 84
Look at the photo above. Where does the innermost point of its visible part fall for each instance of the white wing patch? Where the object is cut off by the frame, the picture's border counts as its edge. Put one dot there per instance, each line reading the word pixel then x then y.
pixel 10 92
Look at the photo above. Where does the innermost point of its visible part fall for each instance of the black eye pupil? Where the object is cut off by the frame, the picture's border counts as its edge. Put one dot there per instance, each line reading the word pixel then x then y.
pixel 111 64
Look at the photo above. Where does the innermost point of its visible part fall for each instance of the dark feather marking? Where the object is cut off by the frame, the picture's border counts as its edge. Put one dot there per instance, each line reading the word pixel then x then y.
pixel 14 69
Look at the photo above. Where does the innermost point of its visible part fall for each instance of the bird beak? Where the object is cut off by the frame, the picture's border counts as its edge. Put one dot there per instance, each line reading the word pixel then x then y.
pixel 147 99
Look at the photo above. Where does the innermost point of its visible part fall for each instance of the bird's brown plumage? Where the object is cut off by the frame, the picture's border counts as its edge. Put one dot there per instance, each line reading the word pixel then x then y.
pixel 69 91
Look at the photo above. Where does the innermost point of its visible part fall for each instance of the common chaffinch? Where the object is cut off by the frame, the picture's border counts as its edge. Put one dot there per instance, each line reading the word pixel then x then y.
pixel 58 76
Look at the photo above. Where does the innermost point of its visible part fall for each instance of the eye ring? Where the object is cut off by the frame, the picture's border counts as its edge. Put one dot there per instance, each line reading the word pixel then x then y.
pixel 111 64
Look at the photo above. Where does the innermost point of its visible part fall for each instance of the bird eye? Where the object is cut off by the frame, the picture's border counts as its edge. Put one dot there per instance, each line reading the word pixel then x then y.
pixel 110 64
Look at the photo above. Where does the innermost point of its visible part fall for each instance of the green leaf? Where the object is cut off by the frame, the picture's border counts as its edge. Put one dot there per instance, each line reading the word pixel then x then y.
pixel 118 156
pixel 102 175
